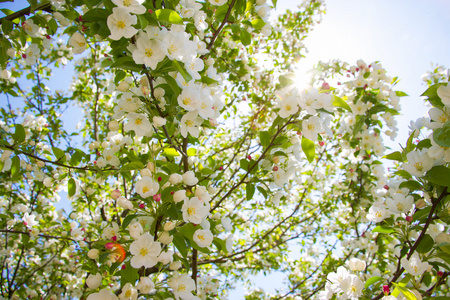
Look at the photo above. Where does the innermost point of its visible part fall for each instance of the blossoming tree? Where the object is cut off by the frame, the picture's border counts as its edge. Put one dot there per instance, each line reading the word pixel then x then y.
pixel 199 160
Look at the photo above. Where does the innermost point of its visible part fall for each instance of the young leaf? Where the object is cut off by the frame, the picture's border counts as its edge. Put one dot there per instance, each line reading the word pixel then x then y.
pixel 339 102
pixel 250 190
pixel 168 16
pixel 309 149
pixel 19 134
pixel 439 175
pixel 72 187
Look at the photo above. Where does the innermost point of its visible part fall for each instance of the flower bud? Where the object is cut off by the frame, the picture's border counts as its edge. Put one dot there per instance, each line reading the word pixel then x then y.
pixel 169 226
pixel 93 254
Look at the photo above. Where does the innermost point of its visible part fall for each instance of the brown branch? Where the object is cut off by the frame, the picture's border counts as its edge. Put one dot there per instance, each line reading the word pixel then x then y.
pixel 26 11
pixel 219 29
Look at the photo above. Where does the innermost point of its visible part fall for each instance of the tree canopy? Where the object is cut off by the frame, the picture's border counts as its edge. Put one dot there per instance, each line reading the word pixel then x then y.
pixel 199 160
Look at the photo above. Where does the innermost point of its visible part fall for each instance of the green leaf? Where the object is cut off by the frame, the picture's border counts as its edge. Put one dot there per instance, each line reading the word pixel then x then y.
pixel 264 137
pixel 262 191
pixel 126 63
pixel 432 96
pixel 96 14
pixel 168 16
pixel 243 163
pixel 439 175
pixel 383 229
pixel 72 187
pixel 405 291
pixel 15 166
pixel 59 154
pixel 134 165
pixel 180 244
pixel 425 244
pixel 442 135
pixel 171 152
pixel 19 134
pixel 372 280
pixel 339 102
pixel 412 185
pixel 7 26
pixel 191 152
pixel 358 125
pixel 187 77
pixel 250 190
pixel 128 220
pixel 403 173
pixel 246 38
pixel 309 149
pixel 401 94
pixel 143 21
pixel 422 214
pixel 258 23
pixel 128 275
pixel 287 79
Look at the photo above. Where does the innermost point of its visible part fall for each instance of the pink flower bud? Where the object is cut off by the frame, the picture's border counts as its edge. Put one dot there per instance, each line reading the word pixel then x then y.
pixel 409 218
pixel 386 289
pixel 157 197
pixel 115 194
pixel 142 205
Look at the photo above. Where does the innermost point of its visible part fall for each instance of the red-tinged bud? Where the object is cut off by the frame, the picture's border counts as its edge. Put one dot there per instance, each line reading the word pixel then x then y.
pixel 275 168
pixel 339 83
pixel 321 143
pixel 386 187
pixel 25 223
pixel 351 170
pixel 357 69
pixel 417 141
pixel 83 229
pixel 48 37
pixel 386 290
pixel 172 192
pixel 150 11
pixel 95 162
pixel 114 238
pixel 80 19
pixel 220 168
pixel 84 28
pixel 159 178
pixel 157 197
pixel 440 273
pixel 71 256
pixel 142 205
pixel 409 218
pixel 325 86
pixel 24 55
pixel 115 194
pixel 105 55
pixel 109 246
pixel 249 157
pixel 123 267
pixel 98 153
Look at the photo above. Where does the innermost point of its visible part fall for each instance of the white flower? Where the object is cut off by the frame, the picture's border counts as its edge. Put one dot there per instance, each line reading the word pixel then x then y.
pixel 289 106
pixel 148 52
pixel 93 253
pixel 182 286
pixel 32 54
pixel 132 6
pixel 356 264
pixel 111 231
pixel 145 285
pixel 145 252
pixel 29 220
pixel 175 178
pixel 352 287
pixel 110 158
pixel 418 163
pixel 435 229
pixel 94 281
pixel 203 238
pixel 179 196
pixel 78 43
pixel 311 127
pixel 102 295
pixel 166 257
pixel 30 28
pixel 229 243
pixel 120 24
pixel 146 187
pixel 400 203
pixel 158 121
pixel 190 123
pixel 280 177
pixel 444 93
pixel 124 203
pixel 139 124
pixel 377 214
pixel 135 230
pixel 226 223
pixel 189 178
pixel 218 2
pixel 128 292
pixel 129 102
pixel 77 234
pixel 414 265
pixel 189 99
pixel 194 210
